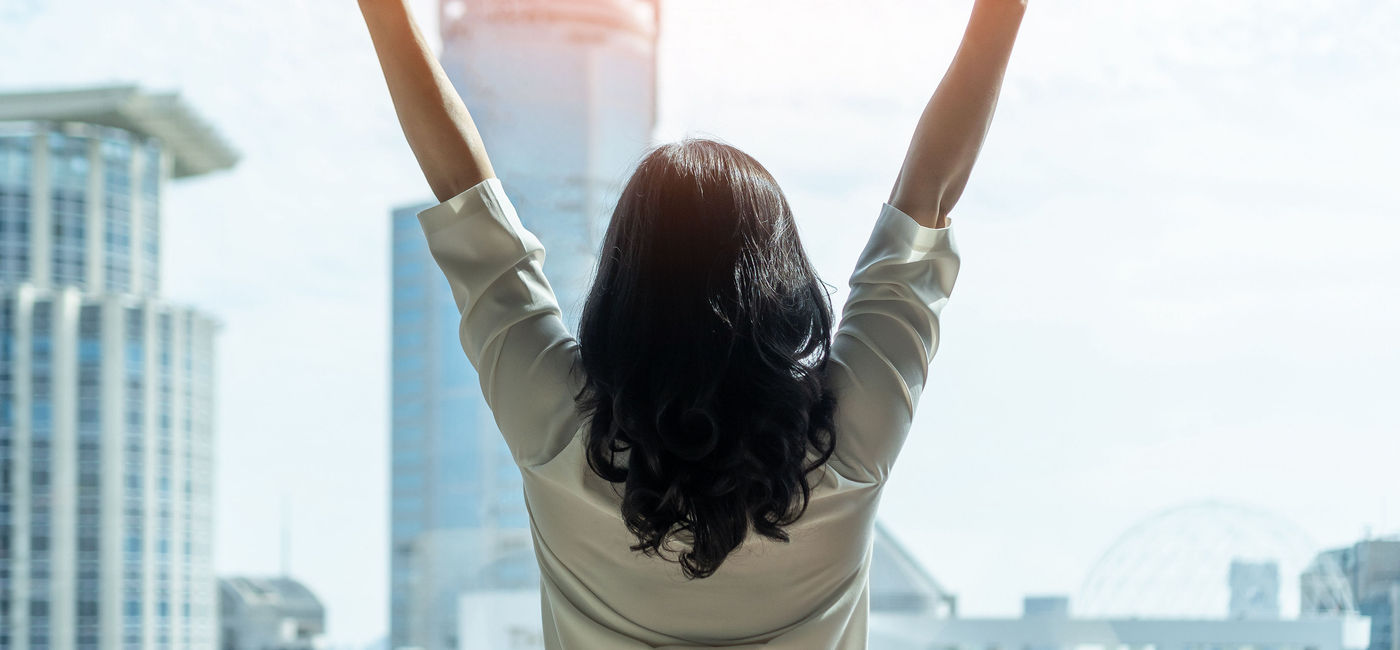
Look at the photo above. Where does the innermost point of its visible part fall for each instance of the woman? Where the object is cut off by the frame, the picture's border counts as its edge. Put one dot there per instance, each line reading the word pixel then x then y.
pixel 703 463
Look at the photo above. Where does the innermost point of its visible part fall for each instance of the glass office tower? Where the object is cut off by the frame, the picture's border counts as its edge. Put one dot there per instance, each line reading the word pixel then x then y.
pixel 458 520
pixel 106 389
pixel 563 92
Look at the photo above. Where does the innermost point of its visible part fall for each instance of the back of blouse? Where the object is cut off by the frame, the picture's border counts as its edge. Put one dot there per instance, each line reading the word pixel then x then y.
pixel 811 592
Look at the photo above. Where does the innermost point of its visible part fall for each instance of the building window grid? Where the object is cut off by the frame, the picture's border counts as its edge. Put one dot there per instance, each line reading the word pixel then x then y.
pixel 187 362
pixel 89 472
pixel 70 174
pixel 68 167
pixel 133 501
pixel 163 558
pixel 16 162
pixel 40 495
pixel 7 355
pixel 150 217
pixel 116 183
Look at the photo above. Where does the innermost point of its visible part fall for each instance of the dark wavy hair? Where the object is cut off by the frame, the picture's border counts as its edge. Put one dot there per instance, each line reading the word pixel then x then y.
pixel 704 344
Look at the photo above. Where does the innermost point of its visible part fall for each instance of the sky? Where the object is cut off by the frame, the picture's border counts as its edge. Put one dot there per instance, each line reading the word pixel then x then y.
pixel 1181 258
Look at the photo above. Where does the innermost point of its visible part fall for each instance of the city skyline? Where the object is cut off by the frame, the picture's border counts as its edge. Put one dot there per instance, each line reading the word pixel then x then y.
pixel 1175 254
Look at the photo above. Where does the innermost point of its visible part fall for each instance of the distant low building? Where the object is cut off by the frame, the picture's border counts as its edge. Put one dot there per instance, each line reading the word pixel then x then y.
pixel 1254 590
pixel 1045 607
pixel 899 584
pixel 1372 572
pixel 269 614
pixel 1046 625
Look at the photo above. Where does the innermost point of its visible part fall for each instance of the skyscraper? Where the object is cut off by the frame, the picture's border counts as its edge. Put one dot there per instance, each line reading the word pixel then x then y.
pixel 106 389
pixel 458 518
pixel 563 92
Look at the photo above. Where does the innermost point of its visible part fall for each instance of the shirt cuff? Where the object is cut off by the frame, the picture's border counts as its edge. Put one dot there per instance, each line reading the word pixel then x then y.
pixel 488 196
pixel 896 226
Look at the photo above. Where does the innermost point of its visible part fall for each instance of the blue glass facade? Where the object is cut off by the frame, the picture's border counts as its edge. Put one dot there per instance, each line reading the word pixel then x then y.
pixel 68 176
pixel 116 212
pixel 8 342
pixel 89 552
pixel 458 516
pixel 164 466
pixel 196 506
pixel 150 216
pixel 40 474
pixel 452 474
pixel 134 469
pixel 16 170
pixel 63 164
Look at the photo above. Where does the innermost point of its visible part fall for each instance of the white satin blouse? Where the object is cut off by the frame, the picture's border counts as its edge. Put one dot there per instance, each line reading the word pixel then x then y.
pixel 812 592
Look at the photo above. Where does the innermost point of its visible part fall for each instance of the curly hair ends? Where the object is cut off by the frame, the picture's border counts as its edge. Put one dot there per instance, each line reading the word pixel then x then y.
pixel 704 342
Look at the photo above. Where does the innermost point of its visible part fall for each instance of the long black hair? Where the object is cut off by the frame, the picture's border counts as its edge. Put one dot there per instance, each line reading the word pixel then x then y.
pixel 704 344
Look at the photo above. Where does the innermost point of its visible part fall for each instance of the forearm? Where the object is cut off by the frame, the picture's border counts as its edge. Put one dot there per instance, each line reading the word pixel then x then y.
pixel 954 124
pixel 434 120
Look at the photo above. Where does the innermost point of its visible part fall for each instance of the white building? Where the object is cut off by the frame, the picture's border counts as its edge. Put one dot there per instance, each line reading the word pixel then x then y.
pixel 106 389
pixel 563 92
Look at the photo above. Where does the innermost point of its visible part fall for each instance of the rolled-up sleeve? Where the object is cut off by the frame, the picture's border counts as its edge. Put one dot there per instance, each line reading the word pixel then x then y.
pixel 887 338
pixel 511 330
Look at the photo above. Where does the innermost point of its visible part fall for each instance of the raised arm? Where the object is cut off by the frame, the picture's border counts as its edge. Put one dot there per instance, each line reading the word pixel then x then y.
pixel 955 122
pixel 436 122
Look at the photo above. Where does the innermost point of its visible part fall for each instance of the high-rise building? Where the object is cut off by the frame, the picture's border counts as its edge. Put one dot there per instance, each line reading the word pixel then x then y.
pixel 563 92
pixel 106 389
pixel 458 518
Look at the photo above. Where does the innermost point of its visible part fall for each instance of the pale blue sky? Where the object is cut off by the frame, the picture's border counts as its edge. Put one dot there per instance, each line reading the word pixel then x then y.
pixel 1181 257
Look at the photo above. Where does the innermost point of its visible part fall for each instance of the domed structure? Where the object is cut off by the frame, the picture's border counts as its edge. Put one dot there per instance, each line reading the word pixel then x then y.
pixel 1177 564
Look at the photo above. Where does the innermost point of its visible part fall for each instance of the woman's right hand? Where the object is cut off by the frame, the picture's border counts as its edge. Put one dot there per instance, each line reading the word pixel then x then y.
pixel 955 122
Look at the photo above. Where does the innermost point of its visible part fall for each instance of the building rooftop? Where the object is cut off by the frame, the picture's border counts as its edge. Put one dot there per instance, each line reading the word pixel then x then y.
pixel 900 583
pixel 194 145
pixel 638 16
pixel 284 594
